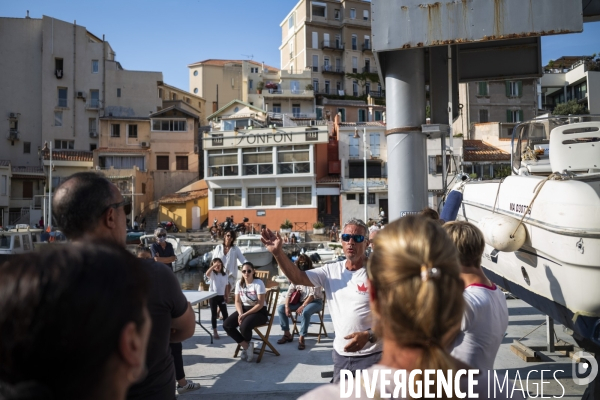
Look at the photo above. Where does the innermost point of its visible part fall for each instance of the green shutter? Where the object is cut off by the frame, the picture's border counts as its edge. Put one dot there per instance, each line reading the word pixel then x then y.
pixel 520 88
pixel 507 84
pixel 520 115
pixel 509 116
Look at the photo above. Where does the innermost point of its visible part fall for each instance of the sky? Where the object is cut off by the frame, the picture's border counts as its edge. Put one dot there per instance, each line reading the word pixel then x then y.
pixel 168 35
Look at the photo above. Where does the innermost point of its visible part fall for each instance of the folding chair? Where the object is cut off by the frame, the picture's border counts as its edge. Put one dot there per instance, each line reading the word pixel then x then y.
pixel 321 322
pixel 271 298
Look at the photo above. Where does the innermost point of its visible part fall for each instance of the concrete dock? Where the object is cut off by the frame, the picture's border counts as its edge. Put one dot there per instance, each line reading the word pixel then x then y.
pixel 295 372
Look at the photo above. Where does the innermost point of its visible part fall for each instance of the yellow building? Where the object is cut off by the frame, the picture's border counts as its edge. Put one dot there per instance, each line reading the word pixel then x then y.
pixel 188 207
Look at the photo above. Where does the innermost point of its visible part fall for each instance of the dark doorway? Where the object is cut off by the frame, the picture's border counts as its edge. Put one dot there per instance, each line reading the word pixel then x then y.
pixel 321 205
pixel 383 204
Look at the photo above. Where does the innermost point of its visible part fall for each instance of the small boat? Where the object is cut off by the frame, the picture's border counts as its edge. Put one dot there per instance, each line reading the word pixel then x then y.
pixel 324 253
pixel 254 250
pixel 183 253
pixel 17 241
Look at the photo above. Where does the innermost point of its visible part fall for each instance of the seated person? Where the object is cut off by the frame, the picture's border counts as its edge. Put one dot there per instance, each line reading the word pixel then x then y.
pixel 293 239
pixel 67 324
pixel 310 302
pixel 251 310
pixel 333 233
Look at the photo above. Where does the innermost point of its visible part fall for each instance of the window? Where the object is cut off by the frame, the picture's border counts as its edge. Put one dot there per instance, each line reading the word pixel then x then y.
pixel 93 146
pixel 581 91
pixel 58 118
pixel 319 10
pixel 370 198
pixel 356 169
pixel 64 144
pixel 293 159
pixel 254 70
pixel 115 130
pixel 119 92
pixel 26 147
pixel 94 99
pixel 482 89
pixel 261 197
pixel 362 115
pixel 315 66
pixel 338 43
pixel 378 116
pixel 315 40
pixel 483 116
pixel 354 42
pixel 181 163
pixel 514 115
pixel 174 96
pixel 374 144
pixel 168 125
pixel 353 13
pixel 295 87
pixel 365 15
pixel 223 162
pixel 367 88
pixel 338 85
pixel 367 44
pixel 354 65
pixel 277 108
pixel 250 83
pixel 95 66
pixel 62 97
pixel 58 66
pixel 162 163
pixel 336 14
pixel 228 198
pixel 327 86
pixel 296 196
pixel 132 131
pixel 291 22
pixel 123 162
pixel 92 125
pixel 435 164
pixel 351 196
pixel 514 88
pixel 27 190
pixel 291 49
pixel 353 146
pixel 355 88
pixel 196 92
pixel 342 112
pixel 196 73
pixel 143 188
pixel 257 160
pixel 160 93
pixel 316 85
pixel 296 109
pixel 4 185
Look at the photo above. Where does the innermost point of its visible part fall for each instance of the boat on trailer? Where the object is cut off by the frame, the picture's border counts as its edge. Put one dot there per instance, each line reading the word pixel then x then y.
pixel 542 223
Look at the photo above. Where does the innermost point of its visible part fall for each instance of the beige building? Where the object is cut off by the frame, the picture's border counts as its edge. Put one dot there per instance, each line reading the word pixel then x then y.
pixel 331 38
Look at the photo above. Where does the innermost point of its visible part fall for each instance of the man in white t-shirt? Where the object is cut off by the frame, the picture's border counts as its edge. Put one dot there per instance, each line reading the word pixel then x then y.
pixel 486 315
pixel 347 291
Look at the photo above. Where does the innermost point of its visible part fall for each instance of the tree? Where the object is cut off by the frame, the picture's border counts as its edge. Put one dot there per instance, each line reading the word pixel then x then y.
pixel 571 107
pixel 363 77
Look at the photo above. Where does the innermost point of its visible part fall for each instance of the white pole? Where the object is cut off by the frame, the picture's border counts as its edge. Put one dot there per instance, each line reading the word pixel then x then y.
pixel 49 222
pixel 365 160
pixel 451 141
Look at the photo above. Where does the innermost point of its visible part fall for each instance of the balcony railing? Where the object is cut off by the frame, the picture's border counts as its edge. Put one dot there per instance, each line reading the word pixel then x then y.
pixel 62 102
pixel 369 70
pixel 332 45
pixel 288 92
pixel 333 69
pixel 13 134
pixel 93 104
pixel 367 46
pixel 377 94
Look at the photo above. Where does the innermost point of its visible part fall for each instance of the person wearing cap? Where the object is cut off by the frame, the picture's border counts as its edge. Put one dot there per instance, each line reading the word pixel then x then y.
pixel 162 251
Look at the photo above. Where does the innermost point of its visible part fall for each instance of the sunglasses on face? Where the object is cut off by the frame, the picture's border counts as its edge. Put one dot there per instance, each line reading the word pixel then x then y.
pixel 246 271
pixel 126 204
pixel 357 238
pixel 162 235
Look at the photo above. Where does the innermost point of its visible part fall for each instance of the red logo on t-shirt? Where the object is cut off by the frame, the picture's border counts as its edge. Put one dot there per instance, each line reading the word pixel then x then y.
pixel 362 288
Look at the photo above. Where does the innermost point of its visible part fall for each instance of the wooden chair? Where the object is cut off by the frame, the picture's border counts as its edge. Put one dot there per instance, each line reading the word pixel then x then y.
pixel 321 322
pixel 271 298
pixel 262 275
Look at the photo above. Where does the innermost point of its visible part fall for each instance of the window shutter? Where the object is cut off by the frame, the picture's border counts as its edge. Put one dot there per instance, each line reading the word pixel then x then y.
pixel 432 165
pixel 520 90
pixel 507 85
pixel 520 115
pixel 508 114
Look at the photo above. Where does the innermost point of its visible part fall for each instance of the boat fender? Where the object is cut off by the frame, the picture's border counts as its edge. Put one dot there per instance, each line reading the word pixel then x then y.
pixel 453 202
pixel 497 231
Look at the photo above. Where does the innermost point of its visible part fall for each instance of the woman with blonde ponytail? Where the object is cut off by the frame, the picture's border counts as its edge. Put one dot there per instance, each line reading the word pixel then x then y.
pixel 417 304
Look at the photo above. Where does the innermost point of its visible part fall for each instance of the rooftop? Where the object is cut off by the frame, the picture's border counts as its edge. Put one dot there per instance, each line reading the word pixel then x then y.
pixel 69 155
pixel 478 150
pixel 222 63
pixel 183 197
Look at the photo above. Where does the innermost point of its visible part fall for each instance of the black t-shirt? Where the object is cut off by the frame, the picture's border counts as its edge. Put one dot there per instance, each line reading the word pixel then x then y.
pixel 165 302
pixel 158 251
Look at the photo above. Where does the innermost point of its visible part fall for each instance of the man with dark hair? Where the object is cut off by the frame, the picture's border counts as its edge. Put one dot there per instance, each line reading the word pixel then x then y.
pixel 89 208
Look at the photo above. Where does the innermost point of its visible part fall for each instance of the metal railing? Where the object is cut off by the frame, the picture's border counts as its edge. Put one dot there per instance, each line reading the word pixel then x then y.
pixel 62 102
pixel 332 45
pixel 93 103
pixel 369 70
pixel 334 69
pixel 366 46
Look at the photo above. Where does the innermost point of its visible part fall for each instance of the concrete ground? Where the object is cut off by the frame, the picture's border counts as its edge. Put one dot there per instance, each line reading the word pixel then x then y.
pixel 295 372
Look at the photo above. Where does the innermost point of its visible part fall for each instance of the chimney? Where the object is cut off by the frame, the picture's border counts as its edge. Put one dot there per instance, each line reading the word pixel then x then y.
pixel 27 15
pixel 214 106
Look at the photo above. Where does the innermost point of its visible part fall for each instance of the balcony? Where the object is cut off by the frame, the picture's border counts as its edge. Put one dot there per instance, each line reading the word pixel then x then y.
pixel 377 94
pixel 63 103
pixel 369 70
pixel 13 134
pixel 332 45
pixel 366 46
pixel 333 69
pixel 93 104
pixel 273 93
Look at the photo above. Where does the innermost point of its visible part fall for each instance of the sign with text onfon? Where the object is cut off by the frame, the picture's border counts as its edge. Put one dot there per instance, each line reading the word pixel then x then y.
pixel 266 137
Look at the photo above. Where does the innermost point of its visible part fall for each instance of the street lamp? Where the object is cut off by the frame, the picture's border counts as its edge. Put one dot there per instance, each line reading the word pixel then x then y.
pixel 356 136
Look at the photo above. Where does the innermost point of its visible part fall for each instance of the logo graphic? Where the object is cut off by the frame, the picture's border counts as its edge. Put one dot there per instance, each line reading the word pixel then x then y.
pixel 585 370
pixel 362 288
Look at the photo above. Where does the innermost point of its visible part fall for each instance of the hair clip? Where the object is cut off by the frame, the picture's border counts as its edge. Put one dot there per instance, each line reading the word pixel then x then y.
pixel 427 273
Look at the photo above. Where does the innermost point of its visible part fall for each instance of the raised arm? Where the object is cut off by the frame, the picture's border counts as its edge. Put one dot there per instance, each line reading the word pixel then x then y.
pixel 274 243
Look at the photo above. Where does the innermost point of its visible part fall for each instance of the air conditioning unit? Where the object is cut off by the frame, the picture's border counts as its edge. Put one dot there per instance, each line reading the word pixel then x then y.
pixel 81 95
pixel 93 134
pixel 145 144
pixel 196 149
pixel 13 115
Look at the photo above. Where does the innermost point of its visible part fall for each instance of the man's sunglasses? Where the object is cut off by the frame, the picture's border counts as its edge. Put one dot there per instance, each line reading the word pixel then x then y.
pixel 357 238
pixel 126 204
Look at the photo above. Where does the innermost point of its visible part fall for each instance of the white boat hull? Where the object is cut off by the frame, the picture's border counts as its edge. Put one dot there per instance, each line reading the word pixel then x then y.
pixel 258 258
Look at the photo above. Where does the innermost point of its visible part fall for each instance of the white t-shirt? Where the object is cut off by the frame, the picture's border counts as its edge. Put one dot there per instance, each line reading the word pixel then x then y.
pixel 249 294
pixel 348 300
pixel 332 391
pixel 218 282
pixel 483 326
pixel 230 260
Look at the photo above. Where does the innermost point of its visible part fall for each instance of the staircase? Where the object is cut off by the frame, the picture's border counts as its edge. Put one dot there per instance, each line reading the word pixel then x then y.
pixel 328 220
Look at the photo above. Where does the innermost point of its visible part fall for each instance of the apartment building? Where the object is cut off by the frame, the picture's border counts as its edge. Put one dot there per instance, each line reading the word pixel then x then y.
pixel 331 39
pixel 571 78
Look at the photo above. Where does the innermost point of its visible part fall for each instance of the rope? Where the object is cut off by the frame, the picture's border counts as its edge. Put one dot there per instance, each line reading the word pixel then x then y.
pixel 497 195
pixel 537 189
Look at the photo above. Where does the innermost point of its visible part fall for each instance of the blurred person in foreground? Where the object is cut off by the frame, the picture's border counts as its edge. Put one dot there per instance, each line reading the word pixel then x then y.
pixel 485 318
pixel 89 208
pixel 345 283
pixel 74 323
pixel 415 292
